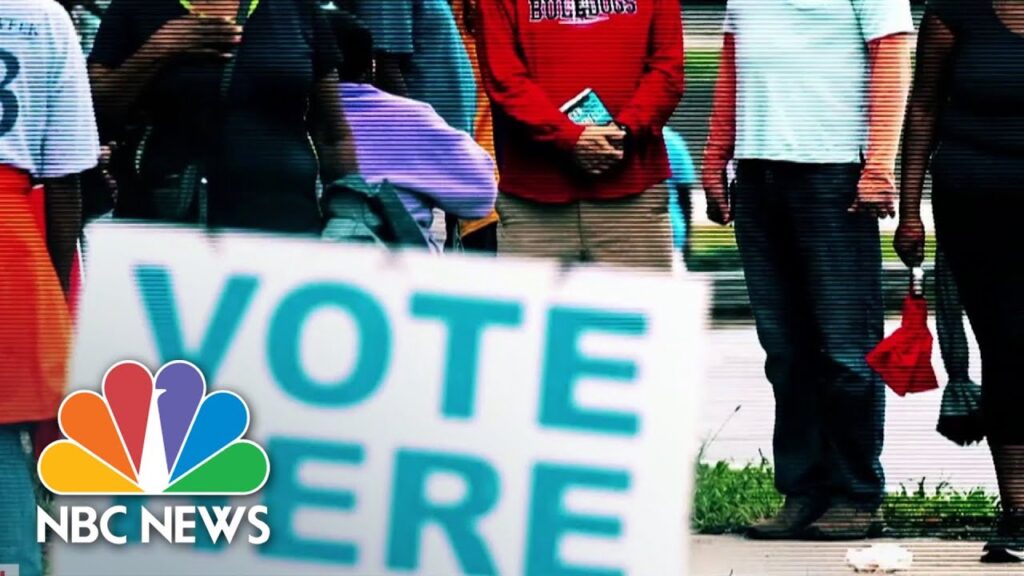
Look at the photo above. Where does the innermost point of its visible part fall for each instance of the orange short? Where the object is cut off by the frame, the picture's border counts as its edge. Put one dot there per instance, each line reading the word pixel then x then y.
pixel 35 323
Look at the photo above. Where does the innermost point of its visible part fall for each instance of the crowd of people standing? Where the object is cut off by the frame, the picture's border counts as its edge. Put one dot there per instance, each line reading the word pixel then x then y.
pixel 268 115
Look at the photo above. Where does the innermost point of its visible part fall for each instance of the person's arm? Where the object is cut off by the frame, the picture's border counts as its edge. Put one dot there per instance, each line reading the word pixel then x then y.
pixel 120 72
pixel 658 94
pixel 409 144
pixel 327 125
pixel 63 200
pixel 455 171
pixel 718 150
pixel 888 85
pixel 595 149
pixel 331 134
pixel 507 80
pixel 885 26
pixel 117 89
pixel 70 146
pixel 934 45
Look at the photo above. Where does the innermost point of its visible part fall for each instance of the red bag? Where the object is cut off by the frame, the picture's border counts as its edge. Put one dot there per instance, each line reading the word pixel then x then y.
pixel 904 359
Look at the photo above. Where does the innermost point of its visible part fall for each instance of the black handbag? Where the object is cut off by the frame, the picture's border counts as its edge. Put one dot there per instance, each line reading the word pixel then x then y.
pixel 171 197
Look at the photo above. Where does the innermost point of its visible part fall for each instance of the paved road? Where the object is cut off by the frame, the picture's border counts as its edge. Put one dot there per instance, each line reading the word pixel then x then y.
pixel 732 556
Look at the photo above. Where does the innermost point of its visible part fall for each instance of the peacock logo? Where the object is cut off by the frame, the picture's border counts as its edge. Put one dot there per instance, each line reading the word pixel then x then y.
pixel 154 435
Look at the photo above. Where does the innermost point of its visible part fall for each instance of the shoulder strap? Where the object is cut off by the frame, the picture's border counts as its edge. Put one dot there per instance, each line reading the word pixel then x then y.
pixel 245 9
pixel 856 15
pixel 404 228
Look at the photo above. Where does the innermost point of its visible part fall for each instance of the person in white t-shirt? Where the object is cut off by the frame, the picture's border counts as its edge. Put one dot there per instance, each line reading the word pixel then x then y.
pixel 809 104
pixel 47 136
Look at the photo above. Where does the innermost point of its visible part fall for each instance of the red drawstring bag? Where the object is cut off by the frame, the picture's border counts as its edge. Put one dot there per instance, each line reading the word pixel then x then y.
pixel 904 359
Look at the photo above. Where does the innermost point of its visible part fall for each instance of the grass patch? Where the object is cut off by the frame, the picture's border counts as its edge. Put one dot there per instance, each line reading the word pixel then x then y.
pixel 728 499
pixel 713 249
pixel 702 65
pixel 942 511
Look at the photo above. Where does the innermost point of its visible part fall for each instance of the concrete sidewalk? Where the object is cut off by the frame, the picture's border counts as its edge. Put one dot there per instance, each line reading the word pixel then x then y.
pixel 734 556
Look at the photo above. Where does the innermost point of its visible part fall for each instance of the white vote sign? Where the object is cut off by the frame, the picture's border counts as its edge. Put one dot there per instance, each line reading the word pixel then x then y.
pixel 421 414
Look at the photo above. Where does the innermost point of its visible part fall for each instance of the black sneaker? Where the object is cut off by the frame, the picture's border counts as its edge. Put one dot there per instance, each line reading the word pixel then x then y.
pixel 1008 545
pixel 796 514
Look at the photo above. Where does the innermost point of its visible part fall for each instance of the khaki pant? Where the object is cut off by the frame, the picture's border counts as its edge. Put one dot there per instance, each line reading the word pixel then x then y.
pixel 628 232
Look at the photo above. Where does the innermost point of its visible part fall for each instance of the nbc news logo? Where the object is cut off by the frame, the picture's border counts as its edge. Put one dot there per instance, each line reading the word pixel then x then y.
pixel 147 435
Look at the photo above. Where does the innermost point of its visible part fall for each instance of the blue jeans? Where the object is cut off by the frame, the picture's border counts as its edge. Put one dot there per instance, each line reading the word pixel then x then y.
pixel 18 504
pixel 813 272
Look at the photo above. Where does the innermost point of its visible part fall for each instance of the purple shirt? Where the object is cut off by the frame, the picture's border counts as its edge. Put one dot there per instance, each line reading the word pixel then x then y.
pixel 408 144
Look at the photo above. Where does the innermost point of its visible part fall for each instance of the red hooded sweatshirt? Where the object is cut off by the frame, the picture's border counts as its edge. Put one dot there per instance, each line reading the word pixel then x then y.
pixel 535 55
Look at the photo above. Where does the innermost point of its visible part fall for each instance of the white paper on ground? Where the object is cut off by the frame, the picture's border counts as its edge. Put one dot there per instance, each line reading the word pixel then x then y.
pixel 880 558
